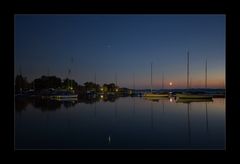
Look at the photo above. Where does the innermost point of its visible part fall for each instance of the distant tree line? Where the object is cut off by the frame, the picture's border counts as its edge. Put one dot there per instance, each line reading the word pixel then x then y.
pixel 47 82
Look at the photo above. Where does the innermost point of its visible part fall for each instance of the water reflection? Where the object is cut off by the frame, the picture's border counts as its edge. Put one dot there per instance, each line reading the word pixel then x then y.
pixel 131 122
pixel 163 107
pixel 115 109
pixel 193 100
pixel 133 106
pixel 206 117
pixel 151 114
pixel 188 102
pixel 55 104
pixel 109 139
pixel 20 105
pixel 189 123
pixel 156 99
pixel 95 111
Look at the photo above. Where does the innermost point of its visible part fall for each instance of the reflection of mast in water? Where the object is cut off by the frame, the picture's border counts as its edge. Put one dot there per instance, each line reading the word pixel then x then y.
pixel 206 117
pixel 133 106
pixel 189 127
pixel 95 111
pixel 115 107
pixel 151 114
pixel 163 106
pixel 47 121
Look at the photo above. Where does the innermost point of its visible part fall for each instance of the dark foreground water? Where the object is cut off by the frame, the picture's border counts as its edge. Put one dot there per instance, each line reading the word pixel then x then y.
pixel 122 123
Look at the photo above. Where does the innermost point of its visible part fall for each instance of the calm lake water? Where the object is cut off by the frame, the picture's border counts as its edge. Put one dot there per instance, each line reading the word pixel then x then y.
pixel 122 123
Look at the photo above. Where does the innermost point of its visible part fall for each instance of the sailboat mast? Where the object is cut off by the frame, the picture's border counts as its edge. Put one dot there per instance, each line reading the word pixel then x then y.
pixel 95 81
pixel 151 77
pixel 206 74
pixel 116 79
pixel 162 80
pixel 133 81
pixel 187 69
pixel 71 67
pixel 95 78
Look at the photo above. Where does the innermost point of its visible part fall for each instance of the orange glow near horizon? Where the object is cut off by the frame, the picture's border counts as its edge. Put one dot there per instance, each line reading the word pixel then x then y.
pixel 181 84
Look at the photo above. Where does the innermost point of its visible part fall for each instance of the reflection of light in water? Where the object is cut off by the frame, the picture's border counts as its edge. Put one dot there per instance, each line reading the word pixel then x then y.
pixel 101 96
pixel 171 99
pixel 109 139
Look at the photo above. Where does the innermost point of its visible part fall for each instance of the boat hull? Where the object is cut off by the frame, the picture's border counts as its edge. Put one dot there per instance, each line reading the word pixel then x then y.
pixel 193 100
pixel 193 96
pixel 155 95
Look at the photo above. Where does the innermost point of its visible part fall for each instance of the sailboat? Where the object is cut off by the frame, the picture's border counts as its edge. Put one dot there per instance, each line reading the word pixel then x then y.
pixel 194 95
pixel 152 95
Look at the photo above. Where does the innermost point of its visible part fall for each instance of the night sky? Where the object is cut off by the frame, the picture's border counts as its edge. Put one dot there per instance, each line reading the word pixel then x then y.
pixel 122 46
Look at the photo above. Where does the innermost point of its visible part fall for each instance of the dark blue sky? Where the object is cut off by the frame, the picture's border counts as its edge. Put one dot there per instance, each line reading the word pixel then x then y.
pixel 122 44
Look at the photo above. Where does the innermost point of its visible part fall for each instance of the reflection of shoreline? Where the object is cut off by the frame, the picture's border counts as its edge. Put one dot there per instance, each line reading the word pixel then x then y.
pixel 45 104
pixel 48 104
pixel 188 121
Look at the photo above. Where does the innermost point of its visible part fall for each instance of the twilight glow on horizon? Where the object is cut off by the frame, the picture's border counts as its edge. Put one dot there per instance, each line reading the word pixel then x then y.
pixel 122 46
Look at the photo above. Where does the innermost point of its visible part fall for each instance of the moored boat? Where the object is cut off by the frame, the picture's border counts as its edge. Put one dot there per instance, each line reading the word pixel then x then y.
pixel 156 95
pixel 190 100
pixel 193 96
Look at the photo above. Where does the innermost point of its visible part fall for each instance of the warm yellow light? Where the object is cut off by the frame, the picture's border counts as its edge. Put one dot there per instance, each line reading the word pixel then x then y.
pixel 170 83
pixel 101 96
pixel 116 90
pixel 101 89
